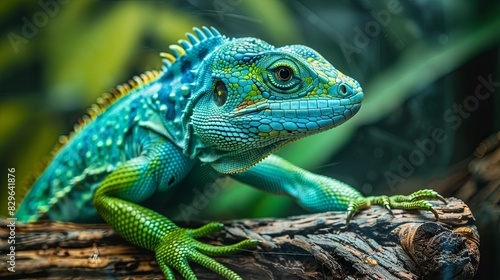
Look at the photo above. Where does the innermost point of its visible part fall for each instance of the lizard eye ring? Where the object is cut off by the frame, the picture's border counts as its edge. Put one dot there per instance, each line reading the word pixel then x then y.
pixel 282 77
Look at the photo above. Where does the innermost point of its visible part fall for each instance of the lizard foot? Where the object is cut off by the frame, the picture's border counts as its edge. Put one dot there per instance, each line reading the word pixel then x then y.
pixel 180 246
pixel 415 200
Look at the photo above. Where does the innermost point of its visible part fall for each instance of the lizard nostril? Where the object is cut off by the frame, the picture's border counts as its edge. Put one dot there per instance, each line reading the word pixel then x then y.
pixel 342 89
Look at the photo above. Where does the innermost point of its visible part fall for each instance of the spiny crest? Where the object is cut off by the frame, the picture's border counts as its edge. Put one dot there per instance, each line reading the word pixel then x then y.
pixel 108 98
pixel 96 109
pixel 202 35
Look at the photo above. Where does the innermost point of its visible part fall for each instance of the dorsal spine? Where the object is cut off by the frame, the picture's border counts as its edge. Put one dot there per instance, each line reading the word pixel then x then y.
pixel 204 35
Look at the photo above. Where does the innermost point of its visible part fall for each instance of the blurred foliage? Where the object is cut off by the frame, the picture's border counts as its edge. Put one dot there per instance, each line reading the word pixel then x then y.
pixel 413 58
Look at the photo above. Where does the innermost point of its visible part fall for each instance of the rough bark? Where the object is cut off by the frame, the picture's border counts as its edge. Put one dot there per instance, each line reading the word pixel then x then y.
pixel 476 180
pixel 376 245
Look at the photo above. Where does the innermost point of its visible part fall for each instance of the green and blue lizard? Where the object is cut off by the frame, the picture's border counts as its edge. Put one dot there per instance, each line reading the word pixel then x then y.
pixel 219 107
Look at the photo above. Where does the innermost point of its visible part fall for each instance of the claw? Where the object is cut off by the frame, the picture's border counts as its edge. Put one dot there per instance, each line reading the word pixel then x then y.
pixel 436 216
pixel 441 198
pixel 350 213
pixel 388 207
pixel 348 218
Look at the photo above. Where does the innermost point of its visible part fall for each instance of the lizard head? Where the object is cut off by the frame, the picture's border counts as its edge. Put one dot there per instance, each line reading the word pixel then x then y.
pixel 257 98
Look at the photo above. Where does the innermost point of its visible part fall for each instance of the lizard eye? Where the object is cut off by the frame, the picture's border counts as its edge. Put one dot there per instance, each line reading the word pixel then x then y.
pixel 282 77
pixel 283 73
pixel 220 93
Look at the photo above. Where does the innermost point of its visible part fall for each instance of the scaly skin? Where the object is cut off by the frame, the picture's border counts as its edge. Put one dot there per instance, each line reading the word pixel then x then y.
pixel 219 107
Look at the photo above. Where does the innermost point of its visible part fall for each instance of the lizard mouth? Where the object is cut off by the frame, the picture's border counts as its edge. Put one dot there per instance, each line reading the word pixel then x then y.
pixel 311 107
pixel 298 117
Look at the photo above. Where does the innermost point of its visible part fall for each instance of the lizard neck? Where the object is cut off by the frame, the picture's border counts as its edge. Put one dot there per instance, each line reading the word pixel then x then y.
pixel 186 77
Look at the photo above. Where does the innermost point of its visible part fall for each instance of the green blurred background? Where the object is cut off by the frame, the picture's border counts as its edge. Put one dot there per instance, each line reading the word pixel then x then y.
pixel 416 60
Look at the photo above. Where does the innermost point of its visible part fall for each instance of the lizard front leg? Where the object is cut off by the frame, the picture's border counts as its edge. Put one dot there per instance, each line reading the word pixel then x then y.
pixel 319 193
pixel 137 179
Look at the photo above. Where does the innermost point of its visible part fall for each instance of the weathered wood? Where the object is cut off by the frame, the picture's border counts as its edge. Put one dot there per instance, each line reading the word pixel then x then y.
pixel 376 245
pixel 476 180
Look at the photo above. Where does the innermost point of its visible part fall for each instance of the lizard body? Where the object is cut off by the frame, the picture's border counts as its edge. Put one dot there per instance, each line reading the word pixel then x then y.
pixel 221 106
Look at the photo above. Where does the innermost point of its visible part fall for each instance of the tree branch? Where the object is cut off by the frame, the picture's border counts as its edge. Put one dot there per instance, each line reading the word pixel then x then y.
pixel 375 245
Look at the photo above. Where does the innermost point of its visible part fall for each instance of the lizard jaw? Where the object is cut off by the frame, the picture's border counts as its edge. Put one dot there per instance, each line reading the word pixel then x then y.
pixel 291 118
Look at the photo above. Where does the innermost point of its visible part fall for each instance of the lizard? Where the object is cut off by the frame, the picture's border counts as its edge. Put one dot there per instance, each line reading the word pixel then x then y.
pixel 218 107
